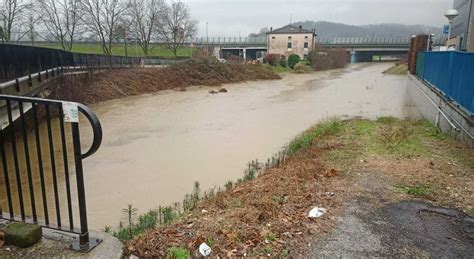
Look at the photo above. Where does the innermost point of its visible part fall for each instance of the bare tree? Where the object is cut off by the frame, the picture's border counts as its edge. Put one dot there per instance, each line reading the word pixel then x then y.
pixel 122 32
pixel 61 19
pixel 177 26
pixel 11 13
pixel 101 17
pixel 27 26
pixel 145 19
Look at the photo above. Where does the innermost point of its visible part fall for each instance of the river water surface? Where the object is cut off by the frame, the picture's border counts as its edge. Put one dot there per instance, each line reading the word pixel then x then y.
pixel 156 145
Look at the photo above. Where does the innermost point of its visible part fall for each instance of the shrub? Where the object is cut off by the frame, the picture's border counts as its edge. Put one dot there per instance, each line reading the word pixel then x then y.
pixel 301 68
pixel 283 61
pixel 293 59
pixel 273 59
pixel 324 59
pixel 234 59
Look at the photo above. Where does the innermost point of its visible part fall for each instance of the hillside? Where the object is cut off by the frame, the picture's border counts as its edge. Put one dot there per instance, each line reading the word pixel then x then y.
pixel 330 29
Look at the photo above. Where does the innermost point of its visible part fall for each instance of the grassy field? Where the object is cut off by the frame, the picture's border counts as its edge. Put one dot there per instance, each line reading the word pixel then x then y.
pixel 133 50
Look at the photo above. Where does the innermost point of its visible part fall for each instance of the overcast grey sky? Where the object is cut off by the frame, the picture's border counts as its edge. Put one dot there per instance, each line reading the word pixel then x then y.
pixel 234 17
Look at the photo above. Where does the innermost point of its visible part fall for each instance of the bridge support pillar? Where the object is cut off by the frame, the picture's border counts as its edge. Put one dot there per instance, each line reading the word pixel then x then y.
pixel 353 55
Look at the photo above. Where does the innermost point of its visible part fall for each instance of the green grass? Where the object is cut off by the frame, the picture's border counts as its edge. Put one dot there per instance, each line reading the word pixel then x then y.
pixel 236 203
pixel 133 50
pixel 319 131
pixel 388 136
pixel 178 253
pixel 278 69
pixel 271 237
pixel 145 222
pixel 419 190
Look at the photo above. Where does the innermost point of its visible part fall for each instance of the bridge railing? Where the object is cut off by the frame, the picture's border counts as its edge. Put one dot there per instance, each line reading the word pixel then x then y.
pixel 40 155
pixel 336 41
pixel 231 41
pixel 371 41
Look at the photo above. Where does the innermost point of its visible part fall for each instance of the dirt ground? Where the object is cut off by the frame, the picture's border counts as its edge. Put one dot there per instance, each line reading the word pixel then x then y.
pixel 112 84
pixel 381 183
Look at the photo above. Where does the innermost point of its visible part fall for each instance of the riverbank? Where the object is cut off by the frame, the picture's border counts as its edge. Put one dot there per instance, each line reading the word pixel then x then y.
pixel 381 162
pixel 397 69
pixel 120 83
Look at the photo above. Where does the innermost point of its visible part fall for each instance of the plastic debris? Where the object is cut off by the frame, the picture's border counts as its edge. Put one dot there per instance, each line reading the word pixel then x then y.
pixel 316 212
pixel 204 249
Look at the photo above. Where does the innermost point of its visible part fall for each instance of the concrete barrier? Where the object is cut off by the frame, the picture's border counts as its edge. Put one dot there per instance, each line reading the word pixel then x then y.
pixel 435 107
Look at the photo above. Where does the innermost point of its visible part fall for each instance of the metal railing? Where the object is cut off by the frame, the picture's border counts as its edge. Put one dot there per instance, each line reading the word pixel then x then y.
pixel 18 61
pixel 40 150
pixel 334 41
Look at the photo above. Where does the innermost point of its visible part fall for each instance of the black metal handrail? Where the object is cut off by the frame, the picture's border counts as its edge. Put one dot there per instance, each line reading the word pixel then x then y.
pixel 25 112
pixel 18 61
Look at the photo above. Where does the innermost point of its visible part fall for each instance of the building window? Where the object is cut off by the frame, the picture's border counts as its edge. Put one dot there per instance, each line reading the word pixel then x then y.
pixel 306 45
pixel 306 37
pixel 289 37
pixel 305 57
pixel 273 37
pixel 289 45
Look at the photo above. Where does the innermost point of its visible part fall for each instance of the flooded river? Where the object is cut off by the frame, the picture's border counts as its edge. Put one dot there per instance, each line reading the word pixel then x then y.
pixel 156 145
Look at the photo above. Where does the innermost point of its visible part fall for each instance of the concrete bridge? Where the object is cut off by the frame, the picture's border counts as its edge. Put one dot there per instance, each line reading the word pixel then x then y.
pixel 361 49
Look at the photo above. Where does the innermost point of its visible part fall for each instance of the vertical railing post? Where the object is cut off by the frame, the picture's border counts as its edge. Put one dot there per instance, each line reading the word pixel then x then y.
pixel 84 235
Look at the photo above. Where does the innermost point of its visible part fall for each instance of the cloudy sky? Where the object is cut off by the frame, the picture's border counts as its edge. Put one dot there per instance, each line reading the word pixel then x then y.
pixel 241 17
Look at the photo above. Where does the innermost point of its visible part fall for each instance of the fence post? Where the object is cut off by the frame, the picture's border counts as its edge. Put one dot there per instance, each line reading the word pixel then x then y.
pixel 84 244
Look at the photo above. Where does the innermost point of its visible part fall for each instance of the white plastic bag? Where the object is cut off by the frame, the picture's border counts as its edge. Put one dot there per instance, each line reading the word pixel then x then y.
pixel 316 212
pixel 204 249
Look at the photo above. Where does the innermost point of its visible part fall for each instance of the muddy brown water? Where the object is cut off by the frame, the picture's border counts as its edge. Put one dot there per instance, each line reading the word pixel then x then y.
pixel 156 145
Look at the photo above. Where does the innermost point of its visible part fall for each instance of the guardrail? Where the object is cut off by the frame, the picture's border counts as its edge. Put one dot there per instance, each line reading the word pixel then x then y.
pixel 334 41
pixel 34 143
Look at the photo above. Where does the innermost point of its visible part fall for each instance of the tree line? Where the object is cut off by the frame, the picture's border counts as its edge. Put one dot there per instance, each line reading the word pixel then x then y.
pixel 106 21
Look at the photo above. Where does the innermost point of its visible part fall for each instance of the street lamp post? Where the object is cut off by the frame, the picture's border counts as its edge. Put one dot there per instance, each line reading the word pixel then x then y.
pixel 450 14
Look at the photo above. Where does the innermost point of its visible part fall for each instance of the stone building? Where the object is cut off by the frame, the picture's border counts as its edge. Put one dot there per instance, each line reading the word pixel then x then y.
pixel 291 40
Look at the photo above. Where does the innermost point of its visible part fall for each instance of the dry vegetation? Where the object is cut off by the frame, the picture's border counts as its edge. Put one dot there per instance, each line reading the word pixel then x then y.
pixel 325 59
pixel 268 215
pixel 121 83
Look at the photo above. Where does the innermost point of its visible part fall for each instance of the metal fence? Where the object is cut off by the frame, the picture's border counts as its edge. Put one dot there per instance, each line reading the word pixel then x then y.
pixel 18 61
pixel 452 73
pixel 40 154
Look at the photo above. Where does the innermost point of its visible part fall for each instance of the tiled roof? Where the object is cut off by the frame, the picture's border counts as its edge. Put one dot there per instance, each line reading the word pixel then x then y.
pixel 290 29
